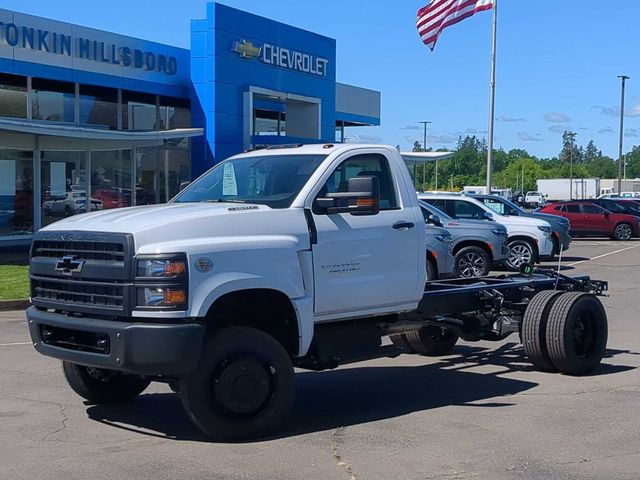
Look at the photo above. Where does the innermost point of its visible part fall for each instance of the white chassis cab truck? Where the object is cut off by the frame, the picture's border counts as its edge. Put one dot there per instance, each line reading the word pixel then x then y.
pixel 299 256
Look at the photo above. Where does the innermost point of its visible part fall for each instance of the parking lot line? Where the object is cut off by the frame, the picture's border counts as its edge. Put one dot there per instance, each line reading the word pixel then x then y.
pixel 604 255
pixel 14 344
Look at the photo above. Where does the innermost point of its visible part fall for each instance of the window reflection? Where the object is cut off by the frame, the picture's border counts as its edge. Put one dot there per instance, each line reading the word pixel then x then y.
pixel 13 96
pixel 99 106
pixel 16 192
pixel 53 101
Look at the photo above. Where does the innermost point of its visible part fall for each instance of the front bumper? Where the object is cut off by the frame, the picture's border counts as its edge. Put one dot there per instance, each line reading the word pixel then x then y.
pixel 140 348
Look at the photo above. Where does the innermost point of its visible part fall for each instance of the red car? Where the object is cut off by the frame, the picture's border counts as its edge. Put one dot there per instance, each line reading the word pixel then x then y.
pixel 588 219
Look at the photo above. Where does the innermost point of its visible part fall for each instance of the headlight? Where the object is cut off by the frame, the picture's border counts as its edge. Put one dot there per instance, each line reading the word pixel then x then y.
pixel 161 282
pixel 499 231
pixel 545 229
pixel 443 237
pixel 154 268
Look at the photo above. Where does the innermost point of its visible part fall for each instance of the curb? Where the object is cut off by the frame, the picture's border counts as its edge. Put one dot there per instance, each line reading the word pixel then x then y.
pixel 6 305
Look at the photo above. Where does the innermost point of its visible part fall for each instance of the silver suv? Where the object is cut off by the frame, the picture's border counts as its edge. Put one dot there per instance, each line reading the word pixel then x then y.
pixel 476 244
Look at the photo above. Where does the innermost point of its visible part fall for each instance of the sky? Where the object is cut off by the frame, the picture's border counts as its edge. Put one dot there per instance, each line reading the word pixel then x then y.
pixel 557 63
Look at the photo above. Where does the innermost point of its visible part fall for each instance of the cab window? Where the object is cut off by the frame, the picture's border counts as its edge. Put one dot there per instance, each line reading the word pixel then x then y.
pixel 366 165
pixel 467 210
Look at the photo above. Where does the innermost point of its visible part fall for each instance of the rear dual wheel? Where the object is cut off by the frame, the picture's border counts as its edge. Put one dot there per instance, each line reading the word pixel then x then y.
pixel 566 332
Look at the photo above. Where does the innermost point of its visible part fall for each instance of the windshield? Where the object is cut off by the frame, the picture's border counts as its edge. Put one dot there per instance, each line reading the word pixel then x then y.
pixel 273 180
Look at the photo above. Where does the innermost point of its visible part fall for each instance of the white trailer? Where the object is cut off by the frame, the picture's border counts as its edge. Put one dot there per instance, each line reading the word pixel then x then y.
pixel 562 189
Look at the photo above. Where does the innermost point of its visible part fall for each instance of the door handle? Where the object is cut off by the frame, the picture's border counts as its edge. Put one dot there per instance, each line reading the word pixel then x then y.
pixel 403 225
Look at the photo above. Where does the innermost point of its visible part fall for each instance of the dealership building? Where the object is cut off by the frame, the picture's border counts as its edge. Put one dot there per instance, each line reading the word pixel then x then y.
pixel 95 120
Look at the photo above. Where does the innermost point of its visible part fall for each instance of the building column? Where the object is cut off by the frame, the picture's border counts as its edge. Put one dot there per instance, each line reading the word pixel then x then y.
pixel 37 186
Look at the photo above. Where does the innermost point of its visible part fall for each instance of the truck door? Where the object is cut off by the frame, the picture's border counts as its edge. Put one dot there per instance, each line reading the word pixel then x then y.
pixel 366 262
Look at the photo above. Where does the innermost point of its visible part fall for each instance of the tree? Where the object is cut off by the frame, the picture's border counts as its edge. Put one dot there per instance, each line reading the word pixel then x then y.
pixel 570 153
pixel 417 147
pixel 591 153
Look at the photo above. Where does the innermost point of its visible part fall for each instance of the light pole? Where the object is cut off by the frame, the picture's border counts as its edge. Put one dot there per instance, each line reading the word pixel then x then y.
pixel 624 78
pixel 424 147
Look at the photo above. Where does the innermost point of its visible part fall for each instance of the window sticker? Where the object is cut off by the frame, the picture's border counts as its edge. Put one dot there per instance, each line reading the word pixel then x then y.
pixel 229 185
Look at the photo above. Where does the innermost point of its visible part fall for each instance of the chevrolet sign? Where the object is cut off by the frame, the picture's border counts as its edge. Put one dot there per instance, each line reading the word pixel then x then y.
pixel 282 57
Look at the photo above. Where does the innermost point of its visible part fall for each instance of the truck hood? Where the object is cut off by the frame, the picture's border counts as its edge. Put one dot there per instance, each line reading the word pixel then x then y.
pixel 170 227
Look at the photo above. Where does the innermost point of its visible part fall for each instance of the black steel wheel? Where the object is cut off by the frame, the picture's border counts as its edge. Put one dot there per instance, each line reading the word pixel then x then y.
pixel 431 341
pixel 623 232
pixel 103 386
pixel 472 262
pixel 534 329
pixel 520 252
pixel 577 333
pixel 243 386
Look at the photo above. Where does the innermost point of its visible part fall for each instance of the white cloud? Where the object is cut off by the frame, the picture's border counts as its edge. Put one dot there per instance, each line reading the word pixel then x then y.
pixel 556 117
pixel 527 137
pixel 605 130
pixel 557 129
pixel 363 139
pixel 411 127
pixel 633 111
pixel 632 132
pixel 508 118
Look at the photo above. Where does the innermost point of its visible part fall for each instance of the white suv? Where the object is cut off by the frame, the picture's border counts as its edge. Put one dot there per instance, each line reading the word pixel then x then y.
pixel 529 238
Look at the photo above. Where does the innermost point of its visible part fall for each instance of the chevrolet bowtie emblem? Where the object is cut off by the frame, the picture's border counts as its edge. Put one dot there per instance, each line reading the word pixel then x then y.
pixel 246 49
pixel 69 265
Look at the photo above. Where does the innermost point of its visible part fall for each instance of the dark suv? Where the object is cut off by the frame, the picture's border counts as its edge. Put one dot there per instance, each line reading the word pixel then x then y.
pixel 560 226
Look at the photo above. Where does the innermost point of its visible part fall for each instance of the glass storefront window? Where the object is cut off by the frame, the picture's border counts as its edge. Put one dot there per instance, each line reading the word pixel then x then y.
pixel 174 113
pixel 99 106
pixel 139 111
pixel 161 171
pixel 64 185
pixel 267 122
pixel 53 100
pixel 111 179
pixel 16 192
pixel 13 96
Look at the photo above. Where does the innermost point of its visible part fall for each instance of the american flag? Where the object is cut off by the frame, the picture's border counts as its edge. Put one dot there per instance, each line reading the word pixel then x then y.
pixel 439 14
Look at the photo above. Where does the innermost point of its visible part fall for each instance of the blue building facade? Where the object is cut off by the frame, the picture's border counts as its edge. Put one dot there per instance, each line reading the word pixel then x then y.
pixel 92 120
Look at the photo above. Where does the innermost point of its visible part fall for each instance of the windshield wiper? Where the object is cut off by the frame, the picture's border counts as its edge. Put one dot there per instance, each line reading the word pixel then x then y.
pixel 222 200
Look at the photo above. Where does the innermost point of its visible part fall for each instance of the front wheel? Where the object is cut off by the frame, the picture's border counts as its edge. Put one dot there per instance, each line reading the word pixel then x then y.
pixel 623 231
pixel 472 262
pixel 243 386
pixel 520 252
pixel 101 386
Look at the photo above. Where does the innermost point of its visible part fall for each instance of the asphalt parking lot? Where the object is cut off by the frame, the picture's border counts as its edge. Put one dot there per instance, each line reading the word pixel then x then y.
pixel 480 413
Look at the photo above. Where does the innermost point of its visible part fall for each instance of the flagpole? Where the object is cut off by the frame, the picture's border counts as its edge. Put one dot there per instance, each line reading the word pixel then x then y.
pixel 492 95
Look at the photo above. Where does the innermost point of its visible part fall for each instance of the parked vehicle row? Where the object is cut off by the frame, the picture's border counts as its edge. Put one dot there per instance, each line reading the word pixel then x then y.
pixel 619 220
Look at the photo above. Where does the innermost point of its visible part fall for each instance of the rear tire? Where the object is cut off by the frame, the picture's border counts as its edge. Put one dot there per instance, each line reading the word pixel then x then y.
pixel 623 232
pixel 243 386
pixel 520 251
pixel 577 333
pixel 431 341
pixel 534 329
pixel 101 386
pixel 472 262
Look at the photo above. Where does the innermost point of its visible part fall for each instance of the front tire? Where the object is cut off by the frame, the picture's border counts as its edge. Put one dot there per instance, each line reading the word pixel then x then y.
pixel 520 252
pixel 623 232
pixel 432 270
pixel 102 386
pixel 243 386
pixel 472 262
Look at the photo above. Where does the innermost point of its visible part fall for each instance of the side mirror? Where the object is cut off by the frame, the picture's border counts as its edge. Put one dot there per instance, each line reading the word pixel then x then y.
pixel 435 220
pixel 361 198
pixel 488 216
pixel 184 185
